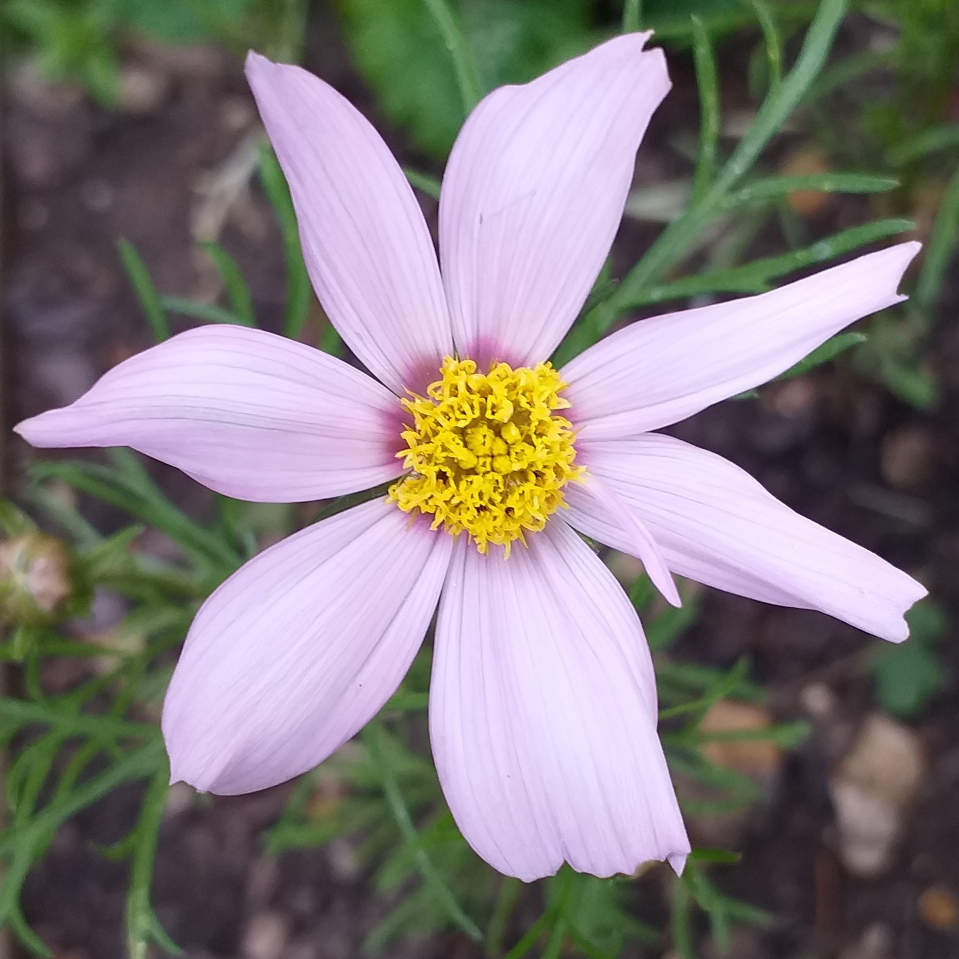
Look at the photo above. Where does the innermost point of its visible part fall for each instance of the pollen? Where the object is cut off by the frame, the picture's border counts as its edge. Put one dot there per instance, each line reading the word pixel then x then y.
pixel 487 454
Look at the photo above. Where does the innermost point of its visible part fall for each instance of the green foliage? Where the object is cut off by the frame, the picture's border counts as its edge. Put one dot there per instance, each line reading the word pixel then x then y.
pixel 72 38
pixel 429 60
pixel 299 295
pixel 81 40
pixel 907 677
pixel 146 292
pixel 403 51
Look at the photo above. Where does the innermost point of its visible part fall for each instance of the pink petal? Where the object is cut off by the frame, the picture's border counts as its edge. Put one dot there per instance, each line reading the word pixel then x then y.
pixel 247 413
pixel 365 242
pixel 300 648
pixel 714 523
pixel 643 545
pixel 543 714
pixel 661 370
pixel 533 194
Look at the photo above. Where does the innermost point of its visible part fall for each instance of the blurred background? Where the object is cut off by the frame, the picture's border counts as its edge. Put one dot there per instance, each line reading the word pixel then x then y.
pixel 138 198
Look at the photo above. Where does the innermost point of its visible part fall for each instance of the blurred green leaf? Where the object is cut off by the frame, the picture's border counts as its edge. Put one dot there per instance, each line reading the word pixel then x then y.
pixel 208 312
pixel 236 288
pixel 71 39
pixel 907 676
pixel 299 292
pixel 823 354
pixel 707 80
pixel 929 141
pixel 184 21
pixel 145 290
pixel 941 248
pixel 404 55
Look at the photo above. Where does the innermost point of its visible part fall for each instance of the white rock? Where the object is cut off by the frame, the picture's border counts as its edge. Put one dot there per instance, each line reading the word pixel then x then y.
pixel 875 943
pixel 265 937
pixel 872 790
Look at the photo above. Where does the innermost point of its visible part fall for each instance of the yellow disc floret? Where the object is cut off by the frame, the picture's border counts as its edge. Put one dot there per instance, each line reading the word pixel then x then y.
pixel 487 453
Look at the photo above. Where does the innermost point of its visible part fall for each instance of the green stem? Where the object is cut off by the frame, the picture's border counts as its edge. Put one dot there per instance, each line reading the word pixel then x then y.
pixel 372 739
pixel 676 239
pixel 142 925
pixel 940 250
pixel 509 891
pixel 632 15
pixel 708 84
pixel 467 76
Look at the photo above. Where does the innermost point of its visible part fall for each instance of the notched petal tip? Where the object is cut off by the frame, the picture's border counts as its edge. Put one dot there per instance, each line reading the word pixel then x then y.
pixel 911 593
pixel 256 63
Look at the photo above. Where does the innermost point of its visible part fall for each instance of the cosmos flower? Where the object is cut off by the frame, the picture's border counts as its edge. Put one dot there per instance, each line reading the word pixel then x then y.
pixel 543 703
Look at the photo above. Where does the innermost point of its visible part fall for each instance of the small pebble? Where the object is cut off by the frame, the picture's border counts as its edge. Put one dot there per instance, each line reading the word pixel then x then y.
pixel 938 908
pixel 795 397
pixel 179 799
pixel 818 700
pixel 875 943
pixel 142 90
pixel 751 757
pixel 265 937
pixel 910 457
pixel 805 162
pixel 872 790
pixel 262 881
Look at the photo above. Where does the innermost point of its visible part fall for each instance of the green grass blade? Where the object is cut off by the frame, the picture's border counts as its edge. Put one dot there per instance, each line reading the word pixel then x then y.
pixel 773 188
pixel 531 935
pixel 680 921
pixel 708 83
pixel 28 938
pixel 773 113
pixel 823 354
pixel 157 511
pixel 754 277
pixel 236 288
pixel 929 141
pixel 298 291
pixel 208 312
pixel 941 248
pixel 372 738
pixel 423 182
pixel 330 341
pixel 509 892
pixel 632 15
pixel 142 925
pixel 145 290
pixel 33 837
pixel 464 64
pixel 774 50
pixel 849 70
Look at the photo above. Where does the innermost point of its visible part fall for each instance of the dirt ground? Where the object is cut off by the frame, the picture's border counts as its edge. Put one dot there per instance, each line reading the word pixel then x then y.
pixel 832 446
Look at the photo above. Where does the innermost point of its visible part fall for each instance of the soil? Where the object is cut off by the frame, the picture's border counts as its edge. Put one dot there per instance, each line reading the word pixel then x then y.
pixel 831 445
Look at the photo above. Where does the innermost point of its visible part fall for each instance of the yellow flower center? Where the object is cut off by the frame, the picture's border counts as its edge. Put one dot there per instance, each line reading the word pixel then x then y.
pixel 487 453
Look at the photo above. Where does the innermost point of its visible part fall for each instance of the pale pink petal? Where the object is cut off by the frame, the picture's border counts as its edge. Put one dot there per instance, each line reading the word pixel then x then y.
pixel 365 242
pixel 543 713
pixel 661 370
pixel 533 195
pixel 301 647
pixel 714 523
pixel 249 414
pixel 643 545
